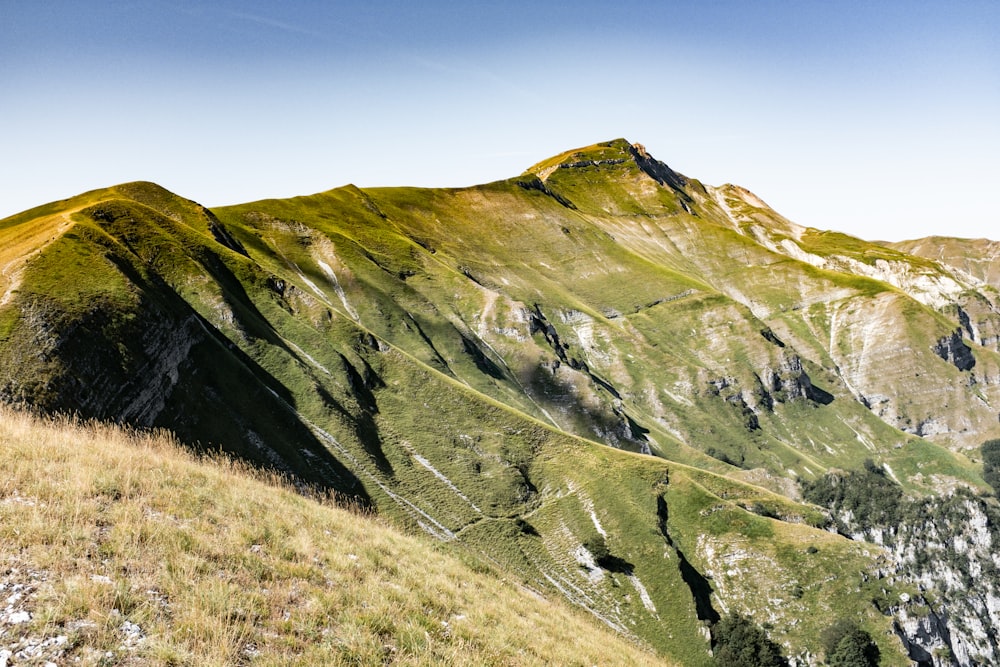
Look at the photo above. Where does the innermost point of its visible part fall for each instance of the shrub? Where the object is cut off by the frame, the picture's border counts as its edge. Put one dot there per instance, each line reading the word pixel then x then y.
pixel 847 645
pixel 739 642
pixel 597 547
pixel 991 463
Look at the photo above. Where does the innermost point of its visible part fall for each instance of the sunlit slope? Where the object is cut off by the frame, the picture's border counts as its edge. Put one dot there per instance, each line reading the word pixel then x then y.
pixel 247 342
pixel 456 358
pixel 135 552
pixel 551 305
pixel 794 279
pixel 976 258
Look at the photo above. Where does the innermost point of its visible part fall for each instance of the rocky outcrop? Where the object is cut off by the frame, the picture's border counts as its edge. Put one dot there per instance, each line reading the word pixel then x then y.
pixel 788 381
pixel 954 350
pixel 609 420
pixel 925 635
pixel 943 547
pixel 781 382
pixel 657 170
pixel 979 318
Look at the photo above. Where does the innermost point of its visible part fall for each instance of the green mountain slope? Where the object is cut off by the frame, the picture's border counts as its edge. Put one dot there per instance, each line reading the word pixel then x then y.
pixel 119 548
pixel 457 358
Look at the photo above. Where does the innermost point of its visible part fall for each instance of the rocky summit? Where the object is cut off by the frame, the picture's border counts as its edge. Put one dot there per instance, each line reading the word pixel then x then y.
pixel 657 399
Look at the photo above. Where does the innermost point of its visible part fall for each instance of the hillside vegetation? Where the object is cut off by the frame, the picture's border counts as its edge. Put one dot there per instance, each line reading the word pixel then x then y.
pixel 612 382
pixel 120 547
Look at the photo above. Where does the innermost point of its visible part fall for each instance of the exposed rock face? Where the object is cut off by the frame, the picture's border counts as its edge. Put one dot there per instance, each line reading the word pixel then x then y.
pixel 657 170
pixel 605 413
pixel 979 319
pixel 943 548
pixel 789 381
pixel 925 637
pixel 140 392
pixel 954 350
pixel 953 560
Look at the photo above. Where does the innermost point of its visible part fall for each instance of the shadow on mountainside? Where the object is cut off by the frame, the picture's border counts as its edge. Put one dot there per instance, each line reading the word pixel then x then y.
pixel 701 589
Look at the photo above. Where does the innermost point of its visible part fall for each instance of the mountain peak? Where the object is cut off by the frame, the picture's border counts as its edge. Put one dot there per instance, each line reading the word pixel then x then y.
pixel 608 154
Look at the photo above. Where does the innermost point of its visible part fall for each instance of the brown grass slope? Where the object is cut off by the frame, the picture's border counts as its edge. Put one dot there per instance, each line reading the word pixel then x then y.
pixel 119 547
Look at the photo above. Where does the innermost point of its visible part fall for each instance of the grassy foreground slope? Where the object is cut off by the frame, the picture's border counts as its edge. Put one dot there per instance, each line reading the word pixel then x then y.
pixel 119 547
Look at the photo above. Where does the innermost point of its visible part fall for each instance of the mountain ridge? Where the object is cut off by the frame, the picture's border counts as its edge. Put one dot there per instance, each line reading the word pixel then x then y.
pixel 454 357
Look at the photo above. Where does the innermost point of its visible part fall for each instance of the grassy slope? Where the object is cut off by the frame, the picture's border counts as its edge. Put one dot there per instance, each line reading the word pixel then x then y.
pixel 623 270
pixel 519 247
pixel 888 360
pixel 217 565
pixel 388 328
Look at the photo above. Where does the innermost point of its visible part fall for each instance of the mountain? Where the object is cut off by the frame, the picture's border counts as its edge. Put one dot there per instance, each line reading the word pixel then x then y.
pixel 658 399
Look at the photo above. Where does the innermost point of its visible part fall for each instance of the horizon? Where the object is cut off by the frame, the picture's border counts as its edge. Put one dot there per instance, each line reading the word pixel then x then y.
pixel 879 122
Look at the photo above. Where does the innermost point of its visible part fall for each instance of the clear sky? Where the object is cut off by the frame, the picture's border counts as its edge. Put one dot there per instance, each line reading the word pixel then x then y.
pixel 877 118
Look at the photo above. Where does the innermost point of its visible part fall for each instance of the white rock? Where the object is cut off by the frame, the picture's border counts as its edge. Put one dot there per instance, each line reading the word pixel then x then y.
pixel 130 628
pixel 18 617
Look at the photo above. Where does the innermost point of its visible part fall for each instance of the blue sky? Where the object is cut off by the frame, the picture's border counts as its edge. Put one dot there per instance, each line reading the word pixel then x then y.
pixel 880 119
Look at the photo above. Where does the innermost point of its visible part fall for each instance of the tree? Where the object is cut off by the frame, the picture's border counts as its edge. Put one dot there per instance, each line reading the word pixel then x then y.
pixel 991 463
pixel 847 645
pixel 597 546
pixel 872 498
pixel 739 642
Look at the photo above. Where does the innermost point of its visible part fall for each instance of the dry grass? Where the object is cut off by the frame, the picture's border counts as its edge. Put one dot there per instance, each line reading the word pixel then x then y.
pixel 20 243
pixel 126 549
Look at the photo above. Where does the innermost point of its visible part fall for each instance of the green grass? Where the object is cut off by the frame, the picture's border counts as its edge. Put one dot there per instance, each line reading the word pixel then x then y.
pixel 834 244
pixel 608 150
